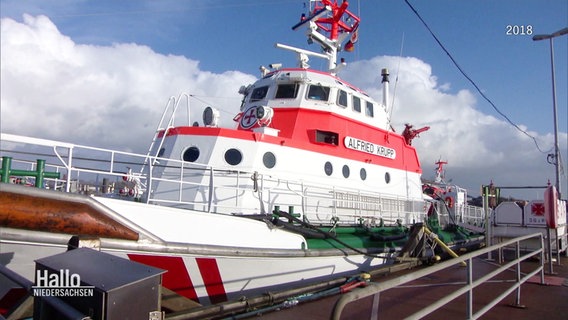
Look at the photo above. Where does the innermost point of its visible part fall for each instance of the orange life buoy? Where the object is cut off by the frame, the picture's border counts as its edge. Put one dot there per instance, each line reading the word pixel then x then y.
pixel 449 202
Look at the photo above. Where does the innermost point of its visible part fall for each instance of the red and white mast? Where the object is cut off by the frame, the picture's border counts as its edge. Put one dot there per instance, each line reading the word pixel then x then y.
pixel 330 24
pixel 440 173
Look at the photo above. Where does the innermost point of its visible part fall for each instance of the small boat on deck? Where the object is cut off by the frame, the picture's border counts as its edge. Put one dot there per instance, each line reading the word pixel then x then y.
pixel 310 184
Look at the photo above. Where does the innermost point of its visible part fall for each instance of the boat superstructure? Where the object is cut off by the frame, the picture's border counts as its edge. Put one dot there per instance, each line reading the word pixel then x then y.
pixel 299 124
pixel 312 182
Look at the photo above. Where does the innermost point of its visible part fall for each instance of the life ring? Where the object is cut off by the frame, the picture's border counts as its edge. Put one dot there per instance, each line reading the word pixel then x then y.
pixel 449 202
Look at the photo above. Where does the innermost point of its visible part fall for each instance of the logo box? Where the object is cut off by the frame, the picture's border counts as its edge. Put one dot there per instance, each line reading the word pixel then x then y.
pixel 97 284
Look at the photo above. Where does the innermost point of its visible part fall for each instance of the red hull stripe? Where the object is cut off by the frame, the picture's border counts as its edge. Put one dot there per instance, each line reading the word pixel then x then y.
pixel 212 278
pixel 177 277
pixel 406 157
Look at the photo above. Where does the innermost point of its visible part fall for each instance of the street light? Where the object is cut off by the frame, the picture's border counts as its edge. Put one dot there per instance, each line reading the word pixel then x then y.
pixel 556 148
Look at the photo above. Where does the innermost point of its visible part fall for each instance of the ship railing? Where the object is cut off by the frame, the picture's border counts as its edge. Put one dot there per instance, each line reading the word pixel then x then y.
pixel 466 287
pixel 314 203
pixel 167 122
pixel 374 206
pixel 474 216
pixel 322 204
pixel 104 172
pixel 31 166
pixel 462 214
pixel 252 192
pixel 83 169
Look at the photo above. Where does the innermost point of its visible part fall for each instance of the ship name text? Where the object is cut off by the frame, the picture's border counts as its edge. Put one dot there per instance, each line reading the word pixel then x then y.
pixel 369 147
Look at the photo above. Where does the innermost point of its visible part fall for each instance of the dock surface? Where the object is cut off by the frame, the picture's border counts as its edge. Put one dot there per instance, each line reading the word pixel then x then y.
pixel 537 301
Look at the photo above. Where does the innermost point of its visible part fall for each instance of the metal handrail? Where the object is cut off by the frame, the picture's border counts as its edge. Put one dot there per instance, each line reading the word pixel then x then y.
pixel 351 205
pixel 377 288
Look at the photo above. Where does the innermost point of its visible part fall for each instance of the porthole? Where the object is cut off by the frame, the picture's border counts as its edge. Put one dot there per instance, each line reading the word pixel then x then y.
pixel 363 174
pixel 387 177
pixel 269 160
pixel 345 171
pixel 328 168
pixel 233 157
pixel 190 154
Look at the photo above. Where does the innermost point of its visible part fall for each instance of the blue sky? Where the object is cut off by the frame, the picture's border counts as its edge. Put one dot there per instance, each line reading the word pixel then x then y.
pixel 219 37
pixel 225 35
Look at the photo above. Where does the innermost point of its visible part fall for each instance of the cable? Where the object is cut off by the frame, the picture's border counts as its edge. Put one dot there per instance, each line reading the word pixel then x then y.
pixel 471 81
pixel 205 6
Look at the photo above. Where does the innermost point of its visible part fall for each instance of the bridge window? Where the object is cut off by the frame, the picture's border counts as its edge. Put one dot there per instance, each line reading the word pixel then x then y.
pixel 342 98
pixel 258 93
pixel 327 137
pixel 356 104
pixel 369 110
pixel 318 92
pixel 287 91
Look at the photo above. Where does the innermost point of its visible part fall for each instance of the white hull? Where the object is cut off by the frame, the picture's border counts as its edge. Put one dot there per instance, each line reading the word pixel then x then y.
pixel 207 278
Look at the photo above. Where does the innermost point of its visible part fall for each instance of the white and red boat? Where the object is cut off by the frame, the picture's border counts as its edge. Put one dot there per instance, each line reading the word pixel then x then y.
pixel 312 183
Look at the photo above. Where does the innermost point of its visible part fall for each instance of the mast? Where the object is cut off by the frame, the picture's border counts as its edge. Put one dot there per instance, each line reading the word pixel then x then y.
pixel 440 174
pixel 330 25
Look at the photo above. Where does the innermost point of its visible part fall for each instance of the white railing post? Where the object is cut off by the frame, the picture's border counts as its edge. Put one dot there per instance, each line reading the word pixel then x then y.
pixel 210 199
pixel 69 165
pixel 518 272
pixel 149 178
pixel 469 306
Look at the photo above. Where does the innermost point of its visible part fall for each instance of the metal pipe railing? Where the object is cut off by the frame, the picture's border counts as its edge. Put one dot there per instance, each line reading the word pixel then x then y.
pixel 348 204
pixel 377 288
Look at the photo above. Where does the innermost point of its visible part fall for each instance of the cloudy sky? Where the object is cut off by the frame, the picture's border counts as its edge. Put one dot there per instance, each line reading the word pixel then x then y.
pixel 100 72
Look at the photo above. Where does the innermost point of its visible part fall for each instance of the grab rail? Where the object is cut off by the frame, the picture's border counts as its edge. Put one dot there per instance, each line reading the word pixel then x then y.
pixel 377 288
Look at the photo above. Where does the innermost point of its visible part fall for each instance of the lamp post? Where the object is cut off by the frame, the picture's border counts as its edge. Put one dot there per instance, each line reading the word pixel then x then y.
pixel 556 148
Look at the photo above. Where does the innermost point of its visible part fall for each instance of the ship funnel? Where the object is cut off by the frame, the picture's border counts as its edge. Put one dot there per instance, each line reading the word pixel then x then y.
pixel 385 82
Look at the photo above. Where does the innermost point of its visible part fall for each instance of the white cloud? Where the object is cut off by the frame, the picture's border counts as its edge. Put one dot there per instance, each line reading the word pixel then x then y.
pixel 113 96
pixel 479 147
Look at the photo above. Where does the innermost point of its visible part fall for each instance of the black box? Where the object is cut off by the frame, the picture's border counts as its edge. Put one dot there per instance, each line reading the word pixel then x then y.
pixel 97 284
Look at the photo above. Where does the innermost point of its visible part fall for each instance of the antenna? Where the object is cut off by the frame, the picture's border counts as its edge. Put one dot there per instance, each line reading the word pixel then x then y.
pixel 330 25
pixel 396 79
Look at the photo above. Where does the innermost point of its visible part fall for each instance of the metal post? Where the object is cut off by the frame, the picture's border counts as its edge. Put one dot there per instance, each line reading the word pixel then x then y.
pixel 5 172
pixel 518 271
pixel 69 167
pixel 542 259
pixel 487 221
pixel 469 306
pixel 556 148
pixel 557 247
pixel 549 248
pixel 40 169
pixel 375 307
pixel 555 116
